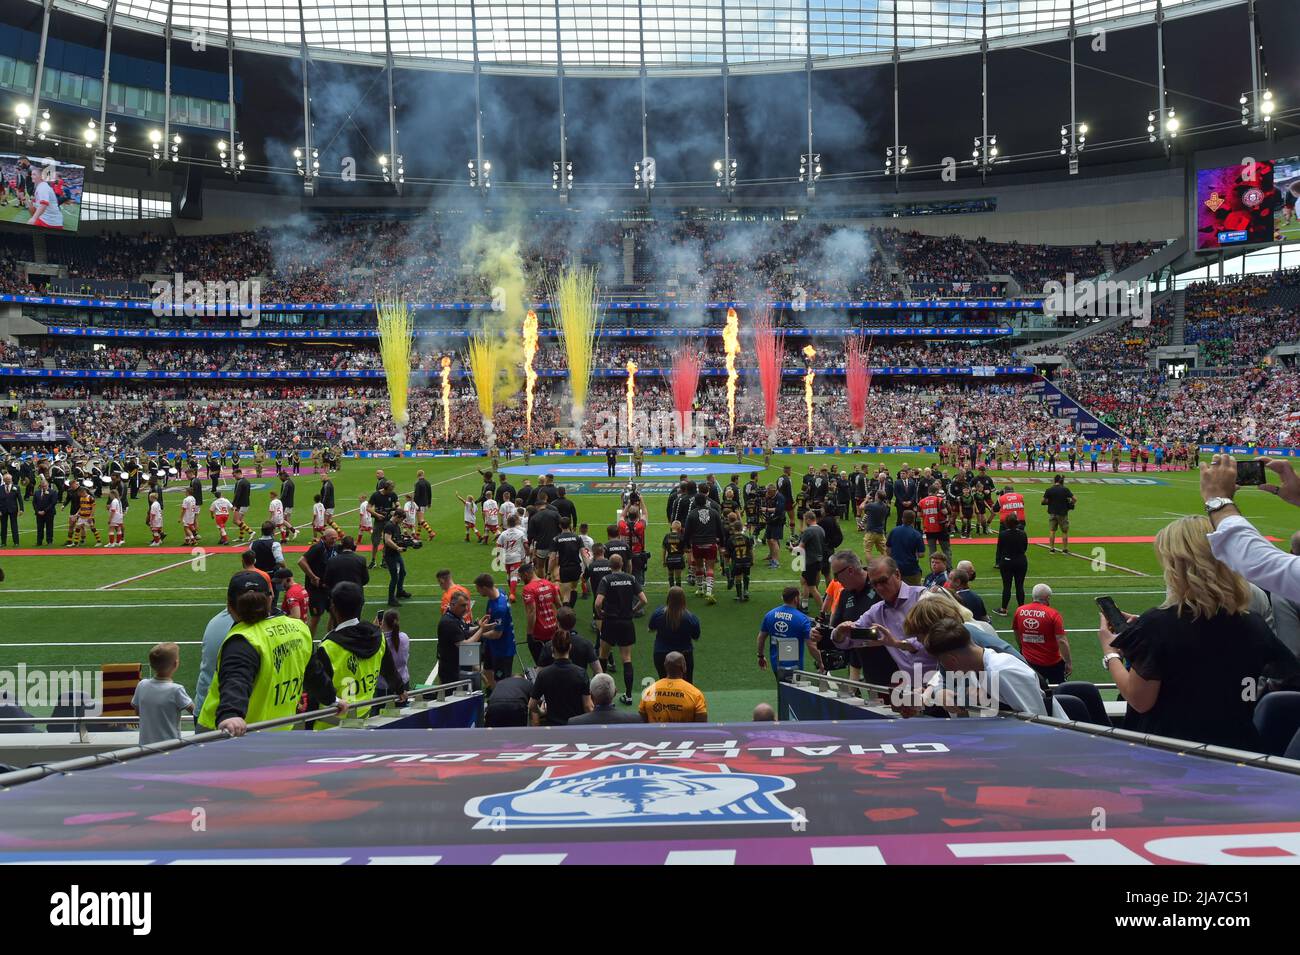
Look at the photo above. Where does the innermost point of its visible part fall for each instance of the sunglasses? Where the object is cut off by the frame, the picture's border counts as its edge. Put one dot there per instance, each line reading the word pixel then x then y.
pixel 879 581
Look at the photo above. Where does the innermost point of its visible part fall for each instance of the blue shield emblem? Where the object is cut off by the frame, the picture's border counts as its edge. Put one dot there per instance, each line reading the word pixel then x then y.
pixel 637 794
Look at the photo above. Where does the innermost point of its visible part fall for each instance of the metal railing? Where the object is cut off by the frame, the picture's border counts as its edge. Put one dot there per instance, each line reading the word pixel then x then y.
pixel 826 683
pixel 420 697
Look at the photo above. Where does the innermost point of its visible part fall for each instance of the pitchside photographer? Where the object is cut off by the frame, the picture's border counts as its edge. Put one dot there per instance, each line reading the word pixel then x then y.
pixel 395 545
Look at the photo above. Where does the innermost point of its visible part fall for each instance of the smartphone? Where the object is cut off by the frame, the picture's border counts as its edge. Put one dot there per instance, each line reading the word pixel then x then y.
pixel 867 633
pixel 1114 619
pixel 1251 473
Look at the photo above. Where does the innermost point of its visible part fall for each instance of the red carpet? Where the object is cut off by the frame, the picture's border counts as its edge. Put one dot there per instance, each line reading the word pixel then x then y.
pixel 165 550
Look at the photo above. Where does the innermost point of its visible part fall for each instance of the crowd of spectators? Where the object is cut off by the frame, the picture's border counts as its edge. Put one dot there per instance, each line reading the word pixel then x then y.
pixel 611 353
pixel 1234 324
pixel 350 259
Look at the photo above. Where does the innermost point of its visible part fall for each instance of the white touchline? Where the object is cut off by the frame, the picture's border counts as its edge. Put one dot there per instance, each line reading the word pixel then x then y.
pixel 150 573
pixel 1104 563
pixel 216 604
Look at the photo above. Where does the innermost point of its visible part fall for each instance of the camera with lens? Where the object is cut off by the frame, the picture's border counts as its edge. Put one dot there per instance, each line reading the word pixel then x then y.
pixel 833 658
pixel 410 542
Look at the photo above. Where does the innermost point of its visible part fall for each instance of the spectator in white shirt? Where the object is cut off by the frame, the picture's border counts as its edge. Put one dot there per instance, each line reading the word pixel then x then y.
pixel 1235 540
pixel 1006 682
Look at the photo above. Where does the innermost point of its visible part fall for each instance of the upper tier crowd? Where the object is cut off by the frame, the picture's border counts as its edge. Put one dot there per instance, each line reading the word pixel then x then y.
pixel 441 259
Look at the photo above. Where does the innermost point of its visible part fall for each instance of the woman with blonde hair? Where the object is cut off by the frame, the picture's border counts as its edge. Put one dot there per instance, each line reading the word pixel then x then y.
pixel 1190 668
pixel 45 204
pixel 939 604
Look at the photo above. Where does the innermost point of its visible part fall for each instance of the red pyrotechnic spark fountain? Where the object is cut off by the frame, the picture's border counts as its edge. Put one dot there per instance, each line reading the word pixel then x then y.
pixel 770 345
pixel 858 380
pixel 686 381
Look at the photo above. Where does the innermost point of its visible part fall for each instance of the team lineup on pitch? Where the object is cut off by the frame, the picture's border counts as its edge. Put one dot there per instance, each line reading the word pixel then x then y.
pixel 84 607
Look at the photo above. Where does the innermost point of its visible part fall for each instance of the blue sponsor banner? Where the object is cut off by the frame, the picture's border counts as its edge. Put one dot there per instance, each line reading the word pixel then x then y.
pixel 803 704
pixel 167 307
pixel 457 713
pixel 1255 452
pixel 282 374
pixel 677 331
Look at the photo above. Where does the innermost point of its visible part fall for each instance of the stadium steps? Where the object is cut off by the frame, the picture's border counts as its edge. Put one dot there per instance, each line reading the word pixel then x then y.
pixel 1178 327
pixel 39 253
pixel 1153 263
pixel 1107 260
pixel 1053 346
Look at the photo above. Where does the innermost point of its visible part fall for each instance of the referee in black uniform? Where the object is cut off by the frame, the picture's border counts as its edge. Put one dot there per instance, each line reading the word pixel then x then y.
pixel 618 598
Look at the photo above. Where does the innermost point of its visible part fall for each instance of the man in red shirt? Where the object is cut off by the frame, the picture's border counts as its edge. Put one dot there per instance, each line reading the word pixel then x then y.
pixel 632 527
pixel 1041 633
pixel 541 601
pixel 934 521
pixel 295 594
pixel 1011 503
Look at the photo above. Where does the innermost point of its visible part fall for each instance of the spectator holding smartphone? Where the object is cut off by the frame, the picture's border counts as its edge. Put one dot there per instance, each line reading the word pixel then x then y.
pixel 1182 666
pixel 1235 541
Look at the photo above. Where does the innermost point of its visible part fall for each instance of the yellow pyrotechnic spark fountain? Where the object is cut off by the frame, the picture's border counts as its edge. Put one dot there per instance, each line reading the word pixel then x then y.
pixel 396 332
pixel 575 310
pixel 631 394
pixel 483 356
pixel 731 344
pixel 445 373
pixel 530 374
pixel 809 353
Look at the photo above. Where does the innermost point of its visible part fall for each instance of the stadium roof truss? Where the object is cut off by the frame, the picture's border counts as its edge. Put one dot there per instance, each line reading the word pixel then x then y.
pixel 626 37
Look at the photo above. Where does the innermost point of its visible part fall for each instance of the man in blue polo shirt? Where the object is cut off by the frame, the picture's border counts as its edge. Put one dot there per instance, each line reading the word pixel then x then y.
pixel 905 544
pixel 499 651
pixel 785 621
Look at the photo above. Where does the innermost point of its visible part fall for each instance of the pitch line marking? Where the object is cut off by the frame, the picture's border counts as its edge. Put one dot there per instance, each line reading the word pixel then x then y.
pixel 1105 563
pixel 411 603
pixel 150 573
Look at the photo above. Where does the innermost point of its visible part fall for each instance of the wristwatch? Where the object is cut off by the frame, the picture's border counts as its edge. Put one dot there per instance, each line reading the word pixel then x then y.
pixel 1106 658
pixel 1217 504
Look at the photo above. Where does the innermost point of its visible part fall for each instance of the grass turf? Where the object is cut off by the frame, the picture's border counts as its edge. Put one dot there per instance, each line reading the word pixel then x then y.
pixel 53 614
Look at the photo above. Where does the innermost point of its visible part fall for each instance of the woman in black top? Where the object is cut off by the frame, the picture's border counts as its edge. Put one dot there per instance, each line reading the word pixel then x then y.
pixel 1184 667
pixel 1013 545
pixel 675 629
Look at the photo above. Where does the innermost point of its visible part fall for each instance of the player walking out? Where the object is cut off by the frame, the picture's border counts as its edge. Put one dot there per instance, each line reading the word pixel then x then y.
pixel 155 521
pixel 190 519
pixel 220 509
pixel 116 519
pixel 471 518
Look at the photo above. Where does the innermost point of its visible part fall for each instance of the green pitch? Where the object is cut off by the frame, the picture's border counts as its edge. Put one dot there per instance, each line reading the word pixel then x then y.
pixel 54 614
pixel 20 215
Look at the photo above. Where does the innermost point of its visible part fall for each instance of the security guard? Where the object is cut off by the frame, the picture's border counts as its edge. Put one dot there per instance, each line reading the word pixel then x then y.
pixel 261 669
pixel 351 657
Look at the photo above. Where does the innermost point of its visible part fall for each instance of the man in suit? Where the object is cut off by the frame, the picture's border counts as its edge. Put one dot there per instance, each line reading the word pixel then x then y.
pixel 907 490
pixel 11 505
pixel 44 503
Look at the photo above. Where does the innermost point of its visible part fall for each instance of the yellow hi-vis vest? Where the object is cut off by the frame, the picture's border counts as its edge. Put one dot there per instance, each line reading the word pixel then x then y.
pixel 284 646
pixel 354 678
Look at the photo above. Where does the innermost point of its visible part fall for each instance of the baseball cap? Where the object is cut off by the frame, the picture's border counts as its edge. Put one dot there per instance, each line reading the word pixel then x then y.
pixel 281 573
pixel 244 582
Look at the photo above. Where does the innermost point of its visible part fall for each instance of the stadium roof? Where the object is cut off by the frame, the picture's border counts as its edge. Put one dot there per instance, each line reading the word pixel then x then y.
pixel 625 34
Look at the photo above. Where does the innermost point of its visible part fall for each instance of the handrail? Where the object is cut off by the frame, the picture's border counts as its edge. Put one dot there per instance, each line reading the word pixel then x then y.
pixel 439 693
pixel 1222 753
pixel 1242 757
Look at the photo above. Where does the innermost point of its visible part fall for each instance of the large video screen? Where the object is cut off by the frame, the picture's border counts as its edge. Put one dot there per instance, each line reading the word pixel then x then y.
pixel 41 192
pixel 1251 203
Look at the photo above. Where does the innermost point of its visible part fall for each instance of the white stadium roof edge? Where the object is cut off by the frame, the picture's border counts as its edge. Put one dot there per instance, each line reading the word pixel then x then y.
pixel 618 37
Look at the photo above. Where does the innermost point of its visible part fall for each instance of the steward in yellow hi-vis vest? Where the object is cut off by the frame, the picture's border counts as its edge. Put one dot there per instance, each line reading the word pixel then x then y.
pixel 351 658
pixel 261 670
